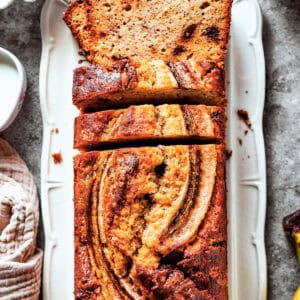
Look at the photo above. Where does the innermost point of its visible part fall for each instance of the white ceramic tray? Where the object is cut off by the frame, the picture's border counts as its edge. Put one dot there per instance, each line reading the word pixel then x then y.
pixel 246 181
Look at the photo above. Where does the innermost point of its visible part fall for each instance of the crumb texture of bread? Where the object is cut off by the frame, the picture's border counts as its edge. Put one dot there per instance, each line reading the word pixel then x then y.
pixel 155 82
pixel 150 223
pixel 172 30
pixel 168 122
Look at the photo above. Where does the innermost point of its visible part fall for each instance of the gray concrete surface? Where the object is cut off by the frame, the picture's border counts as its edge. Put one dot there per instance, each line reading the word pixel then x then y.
pixel 20 33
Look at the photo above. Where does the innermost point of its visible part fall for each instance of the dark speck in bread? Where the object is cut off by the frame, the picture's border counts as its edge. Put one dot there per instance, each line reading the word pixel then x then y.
pixel 188 32
pixel 212 33
pixel 178 50
pixel 204 5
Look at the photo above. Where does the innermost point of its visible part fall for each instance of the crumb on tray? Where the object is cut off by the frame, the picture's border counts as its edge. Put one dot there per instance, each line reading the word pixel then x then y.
pixel 244 116
pixel 57 157
pixel 228 153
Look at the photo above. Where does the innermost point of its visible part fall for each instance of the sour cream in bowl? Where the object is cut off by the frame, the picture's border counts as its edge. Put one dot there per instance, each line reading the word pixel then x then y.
pixel 12 87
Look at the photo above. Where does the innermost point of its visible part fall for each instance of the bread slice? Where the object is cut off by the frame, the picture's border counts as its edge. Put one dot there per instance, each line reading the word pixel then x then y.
pixel 77 22
pixel 172 30
pixel 146 123
pixel 150 223
pixel 155 82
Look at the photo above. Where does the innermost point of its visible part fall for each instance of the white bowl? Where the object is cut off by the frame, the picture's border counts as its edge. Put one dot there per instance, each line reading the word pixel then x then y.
pixel 12 87
pixel 5 3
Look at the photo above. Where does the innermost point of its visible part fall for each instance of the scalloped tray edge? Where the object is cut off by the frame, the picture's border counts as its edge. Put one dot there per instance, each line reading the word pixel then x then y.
pixel 246 170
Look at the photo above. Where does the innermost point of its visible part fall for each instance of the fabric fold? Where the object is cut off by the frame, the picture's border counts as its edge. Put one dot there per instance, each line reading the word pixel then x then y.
pixel 20 260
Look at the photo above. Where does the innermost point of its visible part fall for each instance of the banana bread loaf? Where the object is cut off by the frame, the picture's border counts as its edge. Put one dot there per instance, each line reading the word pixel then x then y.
pixel 172 30
pixel 150 223
pixel 185 123
pixel 155 82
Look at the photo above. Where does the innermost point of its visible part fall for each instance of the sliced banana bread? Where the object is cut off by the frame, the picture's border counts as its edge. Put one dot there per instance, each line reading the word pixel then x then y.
pixel 77 22
pixel 172 30
pixel 147 122
pixel 124 84
pixel 150 223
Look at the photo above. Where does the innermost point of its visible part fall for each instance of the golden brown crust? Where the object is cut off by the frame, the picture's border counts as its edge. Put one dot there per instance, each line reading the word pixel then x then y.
pixel 151 222
pixel 200 82
pixel 83 270
pixel 111 30
pixel 147 122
